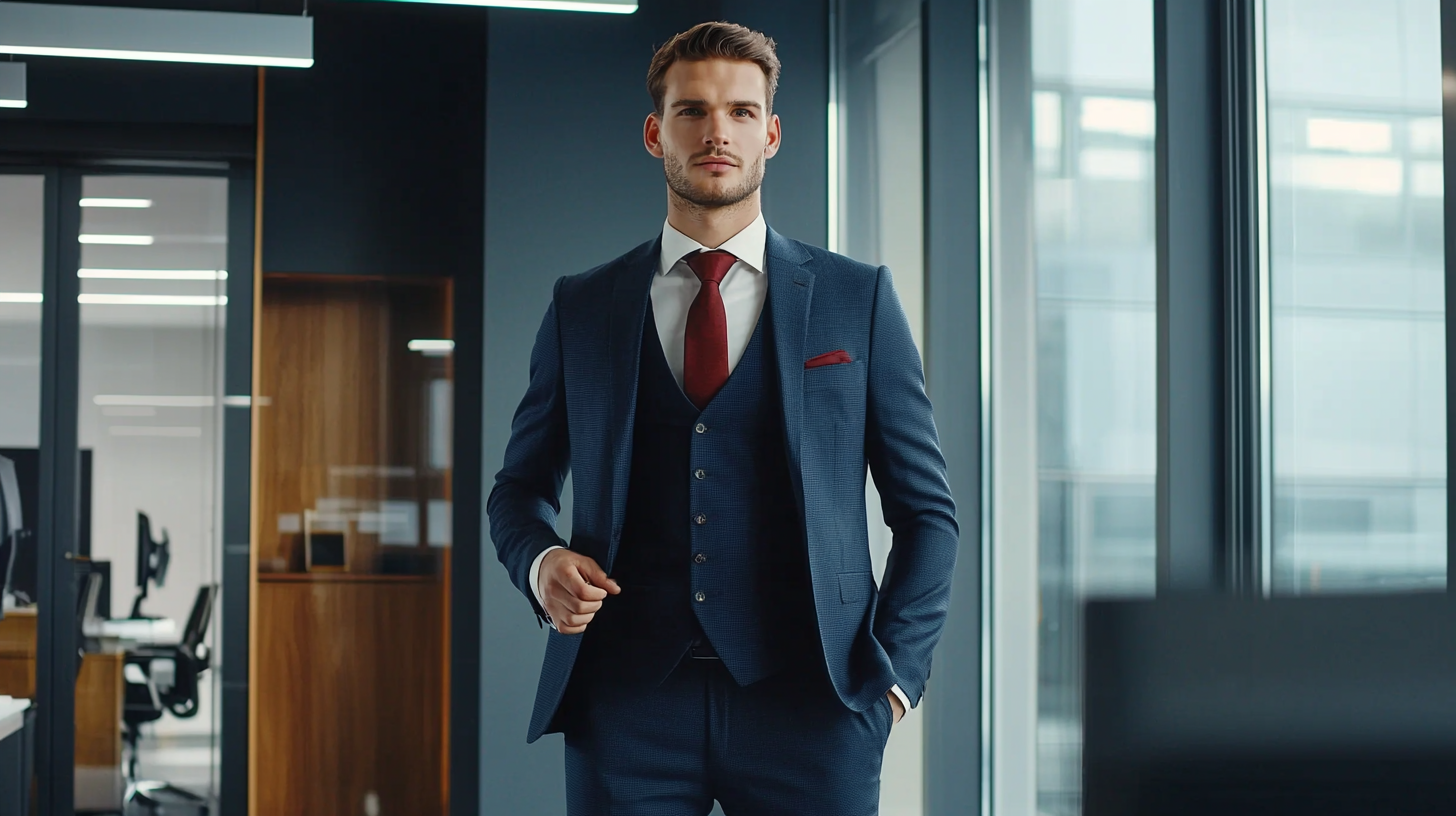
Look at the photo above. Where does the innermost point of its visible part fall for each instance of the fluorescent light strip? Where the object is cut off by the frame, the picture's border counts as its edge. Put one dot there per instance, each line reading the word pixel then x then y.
pixel 12 103
pixel 122 300
pixel 158 35
pixel 153 401
pixel 118 240
pixel 156 56
pixel 542 5
pixel 428 346
pixel 118 203
pixel 154 274
pixel 151 300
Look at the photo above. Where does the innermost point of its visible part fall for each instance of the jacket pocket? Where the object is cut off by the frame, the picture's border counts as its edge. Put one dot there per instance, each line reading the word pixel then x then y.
pixel 854 587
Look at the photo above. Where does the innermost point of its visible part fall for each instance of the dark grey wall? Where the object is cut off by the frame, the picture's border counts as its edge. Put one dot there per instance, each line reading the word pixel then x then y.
pixel 569 186
pixel 372 160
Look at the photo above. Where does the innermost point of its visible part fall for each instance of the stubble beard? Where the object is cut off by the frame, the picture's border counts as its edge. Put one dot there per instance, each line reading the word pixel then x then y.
pixel 683 188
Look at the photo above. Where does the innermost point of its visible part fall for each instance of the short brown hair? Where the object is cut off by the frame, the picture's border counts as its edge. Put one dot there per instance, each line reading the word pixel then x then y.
pixel 706 41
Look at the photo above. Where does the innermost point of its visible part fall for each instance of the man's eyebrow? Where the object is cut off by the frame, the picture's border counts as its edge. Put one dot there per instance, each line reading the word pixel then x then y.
pixel 703 103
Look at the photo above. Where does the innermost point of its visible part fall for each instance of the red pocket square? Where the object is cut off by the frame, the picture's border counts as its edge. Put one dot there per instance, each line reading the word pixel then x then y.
pixel 831 358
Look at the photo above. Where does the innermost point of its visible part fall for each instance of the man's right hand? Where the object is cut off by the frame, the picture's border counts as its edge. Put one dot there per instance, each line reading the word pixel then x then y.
pixel 572 588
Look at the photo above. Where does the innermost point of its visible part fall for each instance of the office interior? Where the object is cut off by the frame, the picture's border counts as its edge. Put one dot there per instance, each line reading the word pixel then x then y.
pixel 1178 274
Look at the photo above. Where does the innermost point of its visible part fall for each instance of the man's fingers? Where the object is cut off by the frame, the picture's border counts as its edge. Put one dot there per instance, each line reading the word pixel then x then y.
pixel 577 606
pixel 587 592
pixel 577 621
pixel 594 575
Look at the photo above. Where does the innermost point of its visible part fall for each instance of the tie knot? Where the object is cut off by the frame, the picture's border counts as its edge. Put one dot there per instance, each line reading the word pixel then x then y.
pixel 711 265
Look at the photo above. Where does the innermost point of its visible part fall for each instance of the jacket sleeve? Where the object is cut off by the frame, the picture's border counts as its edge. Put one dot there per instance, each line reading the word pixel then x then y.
pixel 903 451
pixel 526 499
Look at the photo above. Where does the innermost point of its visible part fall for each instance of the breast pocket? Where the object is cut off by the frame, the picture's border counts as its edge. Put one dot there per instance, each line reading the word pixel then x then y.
pixel 832 392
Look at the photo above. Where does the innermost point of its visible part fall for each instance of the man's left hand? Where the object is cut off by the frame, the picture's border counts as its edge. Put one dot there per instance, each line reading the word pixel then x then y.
pixel 897 707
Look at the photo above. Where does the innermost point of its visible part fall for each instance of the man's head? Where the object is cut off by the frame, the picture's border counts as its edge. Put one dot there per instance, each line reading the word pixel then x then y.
pixel 713 124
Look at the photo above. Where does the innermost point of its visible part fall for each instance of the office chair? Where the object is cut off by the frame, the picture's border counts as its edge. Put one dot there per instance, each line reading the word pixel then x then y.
pixel 164 678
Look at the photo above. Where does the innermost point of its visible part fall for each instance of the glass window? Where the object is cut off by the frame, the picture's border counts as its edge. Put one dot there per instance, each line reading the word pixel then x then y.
pixel 153 278
pixel 880 220
pixel 1096 357
pixel 1357 292
pixel 22 265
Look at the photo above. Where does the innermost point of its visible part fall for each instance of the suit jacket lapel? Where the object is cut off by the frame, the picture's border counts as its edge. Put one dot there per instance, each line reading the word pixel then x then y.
pixel 790 291
pixel 631 295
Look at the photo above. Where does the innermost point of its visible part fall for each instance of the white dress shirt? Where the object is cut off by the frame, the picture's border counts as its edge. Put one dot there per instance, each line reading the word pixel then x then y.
pixel 744 289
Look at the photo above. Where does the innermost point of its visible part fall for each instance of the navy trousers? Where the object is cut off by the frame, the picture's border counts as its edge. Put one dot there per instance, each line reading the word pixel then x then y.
pixel 783 746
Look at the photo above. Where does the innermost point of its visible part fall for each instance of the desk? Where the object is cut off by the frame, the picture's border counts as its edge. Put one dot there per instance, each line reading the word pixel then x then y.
pixel 100 696
pixel 17 751
pixel 145 630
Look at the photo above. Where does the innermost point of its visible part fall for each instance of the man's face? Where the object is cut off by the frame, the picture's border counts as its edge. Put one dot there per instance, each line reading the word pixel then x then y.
pixel 715 131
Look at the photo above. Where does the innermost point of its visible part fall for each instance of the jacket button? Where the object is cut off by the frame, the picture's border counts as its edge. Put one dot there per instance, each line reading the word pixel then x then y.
pixel 701 428
pixel 700 518
pixel 700 597
pixel 700 558
pixel 700 474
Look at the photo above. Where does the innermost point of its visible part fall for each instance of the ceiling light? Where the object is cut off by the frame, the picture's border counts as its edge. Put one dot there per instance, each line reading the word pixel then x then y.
pixel 161 35
pixel 12 85
pixel 602 6
pixel 20 297
pixel 152 300
pixel 432 348
pixel 154 274
pixel 118 203
pixel 118 240
pixel 153 401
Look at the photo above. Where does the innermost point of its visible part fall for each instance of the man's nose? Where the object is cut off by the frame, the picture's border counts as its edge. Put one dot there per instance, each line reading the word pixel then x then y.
pixel 717 133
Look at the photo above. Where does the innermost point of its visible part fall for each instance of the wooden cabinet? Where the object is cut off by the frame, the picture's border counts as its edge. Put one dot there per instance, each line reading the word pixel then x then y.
pixel 349 677
pixel 350 699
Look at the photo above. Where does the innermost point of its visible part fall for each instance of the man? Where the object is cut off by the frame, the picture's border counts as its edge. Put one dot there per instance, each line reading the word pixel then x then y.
pixel 717 393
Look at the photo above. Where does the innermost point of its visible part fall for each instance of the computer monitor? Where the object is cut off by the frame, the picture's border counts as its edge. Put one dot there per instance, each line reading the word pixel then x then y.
pixel 12 523
pixel 1293 706
pixel 152 559
pixel 25 573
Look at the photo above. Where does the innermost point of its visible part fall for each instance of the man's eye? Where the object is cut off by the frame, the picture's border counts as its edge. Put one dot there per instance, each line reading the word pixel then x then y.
pixel 744 111
pixel 691 112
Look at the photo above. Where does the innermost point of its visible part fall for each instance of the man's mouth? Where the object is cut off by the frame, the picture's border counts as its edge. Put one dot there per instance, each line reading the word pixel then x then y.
pixel 717 164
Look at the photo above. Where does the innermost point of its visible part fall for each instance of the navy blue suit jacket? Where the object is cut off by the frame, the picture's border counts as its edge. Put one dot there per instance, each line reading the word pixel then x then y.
pixel 578 414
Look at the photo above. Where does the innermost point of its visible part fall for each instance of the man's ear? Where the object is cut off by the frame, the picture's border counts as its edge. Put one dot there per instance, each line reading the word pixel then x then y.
pixel 775 137
pixel 652 135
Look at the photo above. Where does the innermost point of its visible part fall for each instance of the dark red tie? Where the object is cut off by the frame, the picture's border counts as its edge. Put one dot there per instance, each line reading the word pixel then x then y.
pixel 705 349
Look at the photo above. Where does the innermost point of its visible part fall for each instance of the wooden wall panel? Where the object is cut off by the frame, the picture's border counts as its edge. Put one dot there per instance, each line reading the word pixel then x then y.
pixel 323 428
pixel 348 693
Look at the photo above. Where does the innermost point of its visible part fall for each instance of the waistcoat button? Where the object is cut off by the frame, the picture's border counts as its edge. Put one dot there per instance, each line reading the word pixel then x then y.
pixel 700 558
pixel 700 473
pixel 701 428
pixel 701 518
pixel 701 597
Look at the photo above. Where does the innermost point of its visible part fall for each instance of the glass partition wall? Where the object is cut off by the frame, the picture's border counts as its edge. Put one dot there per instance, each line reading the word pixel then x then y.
pixel 1357 273
pixel 1352 216
pixel 111 345
pixel 878 218
pixel 153 315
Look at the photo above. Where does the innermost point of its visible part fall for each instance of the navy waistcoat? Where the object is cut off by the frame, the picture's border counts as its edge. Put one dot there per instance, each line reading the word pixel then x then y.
pixel 712 548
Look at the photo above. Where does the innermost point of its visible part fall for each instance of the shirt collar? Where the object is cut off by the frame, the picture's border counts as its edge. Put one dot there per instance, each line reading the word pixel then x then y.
pixel 748 246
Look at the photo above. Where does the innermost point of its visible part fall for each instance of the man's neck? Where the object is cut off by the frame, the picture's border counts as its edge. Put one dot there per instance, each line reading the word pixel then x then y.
pixel 711 227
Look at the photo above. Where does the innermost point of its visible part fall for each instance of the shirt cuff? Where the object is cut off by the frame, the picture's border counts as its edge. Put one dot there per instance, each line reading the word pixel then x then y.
pixel 905 701
pixel 536 584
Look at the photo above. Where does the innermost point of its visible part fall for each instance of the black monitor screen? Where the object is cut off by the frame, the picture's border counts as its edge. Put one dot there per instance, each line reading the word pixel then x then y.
pixel 24 577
